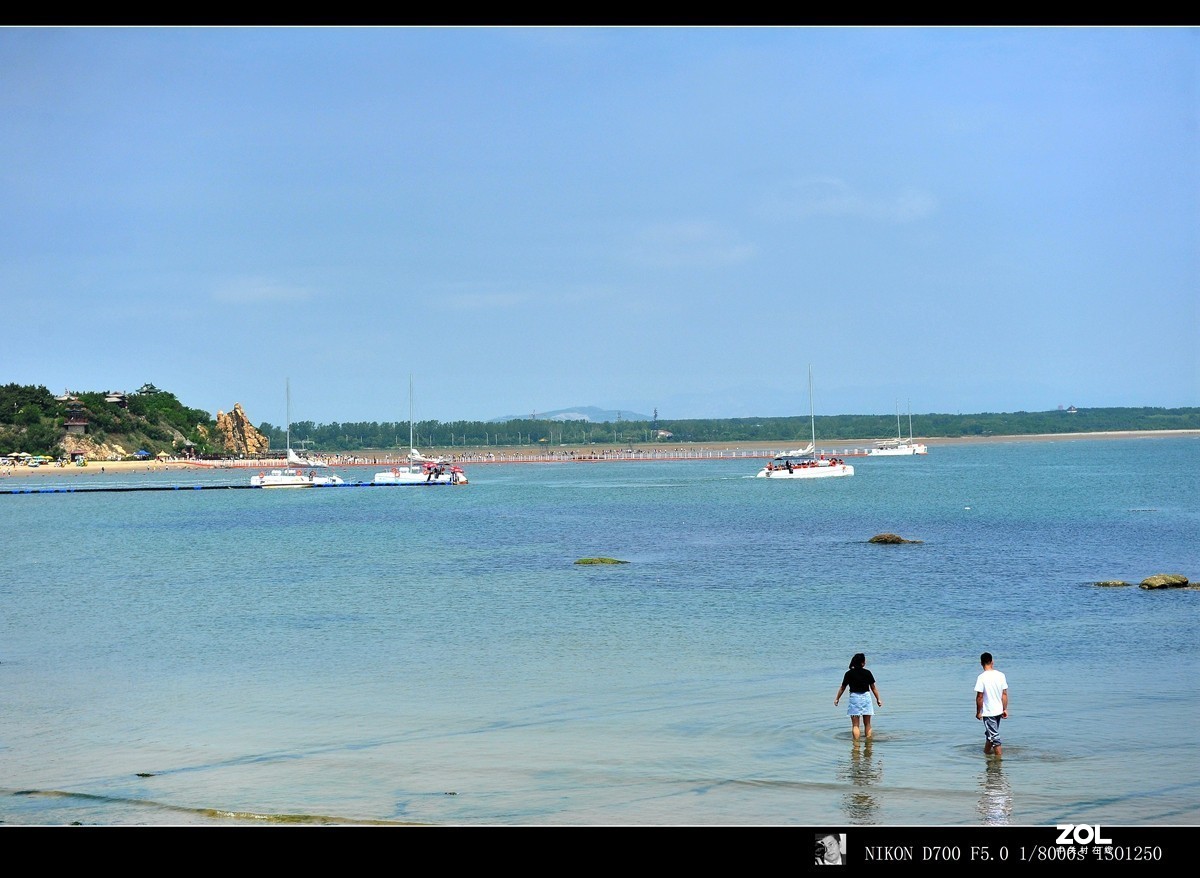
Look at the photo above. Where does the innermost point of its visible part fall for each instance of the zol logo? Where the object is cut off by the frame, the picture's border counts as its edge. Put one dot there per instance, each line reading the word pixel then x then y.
pixel 1080 833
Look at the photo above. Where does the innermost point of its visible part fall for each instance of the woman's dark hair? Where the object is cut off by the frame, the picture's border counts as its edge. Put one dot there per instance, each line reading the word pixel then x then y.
pixel 858 661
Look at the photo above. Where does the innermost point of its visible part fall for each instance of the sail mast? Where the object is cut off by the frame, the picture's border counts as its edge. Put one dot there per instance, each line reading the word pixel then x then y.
pixel 811 411
pixel 410 412
pixel 288 384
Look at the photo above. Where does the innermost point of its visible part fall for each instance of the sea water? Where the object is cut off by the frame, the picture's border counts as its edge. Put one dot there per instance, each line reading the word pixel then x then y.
pixel 417 655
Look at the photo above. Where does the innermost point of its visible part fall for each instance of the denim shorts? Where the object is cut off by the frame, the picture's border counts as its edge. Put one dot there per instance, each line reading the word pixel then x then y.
pixel 859 704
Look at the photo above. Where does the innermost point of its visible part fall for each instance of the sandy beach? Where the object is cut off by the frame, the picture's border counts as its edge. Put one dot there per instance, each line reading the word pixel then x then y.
pixel 518 454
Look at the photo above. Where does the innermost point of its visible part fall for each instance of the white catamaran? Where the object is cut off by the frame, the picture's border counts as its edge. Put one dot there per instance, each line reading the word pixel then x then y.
pixel 294 475
pixel 420 470
pixel 805 463
pixel 898 447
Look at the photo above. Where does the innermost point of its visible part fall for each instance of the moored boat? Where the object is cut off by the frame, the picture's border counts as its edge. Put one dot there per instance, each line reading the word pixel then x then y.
pixel 293 478
pixel 898 447
pixel 420 470
pixel 294 475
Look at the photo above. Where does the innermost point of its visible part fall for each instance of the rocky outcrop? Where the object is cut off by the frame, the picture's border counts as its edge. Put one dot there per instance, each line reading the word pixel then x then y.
pixel 237 435
pixel 600 561
pixel 1164 580
pixel 74 444
pixel 890 539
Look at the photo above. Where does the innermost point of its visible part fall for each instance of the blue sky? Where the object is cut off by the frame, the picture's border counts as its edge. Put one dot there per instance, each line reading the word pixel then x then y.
pixel 674 219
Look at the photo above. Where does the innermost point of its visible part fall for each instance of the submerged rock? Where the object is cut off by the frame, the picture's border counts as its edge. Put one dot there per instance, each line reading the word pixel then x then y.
pixel 1112 583
pixel 1164 580
pixel 890 539
pixel 600 561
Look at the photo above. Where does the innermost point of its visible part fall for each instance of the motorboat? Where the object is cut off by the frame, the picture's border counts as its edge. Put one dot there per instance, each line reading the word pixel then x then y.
pixel 806 463
pixel 291 477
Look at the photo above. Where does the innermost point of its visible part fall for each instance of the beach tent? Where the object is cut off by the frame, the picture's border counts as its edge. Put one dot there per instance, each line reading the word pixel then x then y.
pixel 162 455
pixel 142 452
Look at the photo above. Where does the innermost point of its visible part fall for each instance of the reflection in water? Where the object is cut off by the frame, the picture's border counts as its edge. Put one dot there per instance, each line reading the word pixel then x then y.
pixel 995 797
pixel 862 771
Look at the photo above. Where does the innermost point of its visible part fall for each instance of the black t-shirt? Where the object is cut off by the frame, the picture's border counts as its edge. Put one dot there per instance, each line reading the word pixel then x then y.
pixel 858 680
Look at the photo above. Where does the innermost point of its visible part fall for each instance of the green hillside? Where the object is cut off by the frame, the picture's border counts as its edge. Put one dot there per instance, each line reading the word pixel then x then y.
pixel 35 421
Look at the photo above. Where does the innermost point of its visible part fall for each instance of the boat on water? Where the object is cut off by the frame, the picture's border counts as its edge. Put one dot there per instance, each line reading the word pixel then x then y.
pixel 422 470
pixel 419 469
pixel 296 460
pixel 806 463
pixel 898 447
pixel 290 477
pixel 294 475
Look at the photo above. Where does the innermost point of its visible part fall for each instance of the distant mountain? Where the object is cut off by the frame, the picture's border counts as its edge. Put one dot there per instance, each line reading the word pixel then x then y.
pixel 588 413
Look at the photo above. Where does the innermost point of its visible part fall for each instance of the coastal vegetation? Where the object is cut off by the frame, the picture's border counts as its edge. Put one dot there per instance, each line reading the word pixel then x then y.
pixel 150 420
pixel 831 428
pixel 37 422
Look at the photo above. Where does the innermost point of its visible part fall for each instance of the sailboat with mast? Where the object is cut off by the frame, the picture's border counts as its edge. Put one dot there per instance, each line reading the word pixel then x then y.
pixel 806 463
pixel 420 470
pixel 898 447
pixel 294 475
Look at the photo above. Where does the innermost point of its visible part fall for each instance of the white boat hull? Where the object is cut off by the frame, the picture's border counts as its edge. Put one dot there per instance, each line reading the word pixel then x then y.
pixel 905 449
pixel 407 477
pixel 823 470
pixel 291 478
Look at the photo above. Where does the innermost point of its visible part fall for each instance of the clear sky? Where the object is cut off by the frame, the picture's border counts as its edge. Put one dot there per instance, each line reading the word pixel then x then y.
pixel 674 219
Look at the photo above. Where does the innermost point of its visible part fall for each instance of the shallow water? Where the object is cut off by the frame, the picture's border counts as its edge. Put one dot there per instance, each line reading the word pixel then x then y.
pixel 434 656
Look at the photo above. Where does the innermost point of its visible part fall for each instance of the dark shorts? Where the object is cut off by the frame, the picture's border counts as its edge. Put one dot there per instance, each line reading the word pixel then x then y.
pixel 991 730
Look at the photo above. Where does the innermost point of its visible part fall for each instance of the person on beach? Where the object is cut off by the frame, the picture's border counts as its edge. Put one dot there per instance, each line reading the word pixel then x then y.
pixel 991 704
pixel 861 684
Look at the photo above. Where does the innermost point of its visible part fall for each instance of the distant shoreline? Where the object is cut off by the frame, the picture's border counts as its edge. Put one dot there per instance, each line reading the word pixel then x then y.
pixel 472 455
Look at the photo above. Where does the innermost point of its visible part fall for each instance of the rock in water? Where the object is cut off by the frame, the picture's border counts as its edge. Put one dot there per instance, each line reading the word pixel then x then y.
pixel 1164 580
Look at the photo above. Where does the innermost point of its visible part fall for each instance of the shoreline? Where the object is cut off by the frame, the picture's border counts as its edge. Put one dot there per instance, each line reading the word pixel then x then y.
pixel 473 455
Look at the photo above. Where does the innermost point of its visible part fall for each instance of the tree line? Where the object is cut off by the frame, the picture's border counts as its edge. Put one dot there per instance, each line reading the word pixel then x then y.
pixel 33 420
pixel 371 435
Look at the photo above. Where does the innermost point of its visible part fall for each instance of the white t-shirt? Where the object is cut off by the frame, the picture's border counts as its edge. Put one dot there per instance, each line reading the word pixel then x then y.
pixel 992 684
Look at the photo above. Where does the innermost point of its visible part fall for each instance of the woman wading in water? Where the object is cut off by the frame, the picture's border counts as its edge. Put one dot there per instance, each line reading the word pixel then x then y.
pixel 861 684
